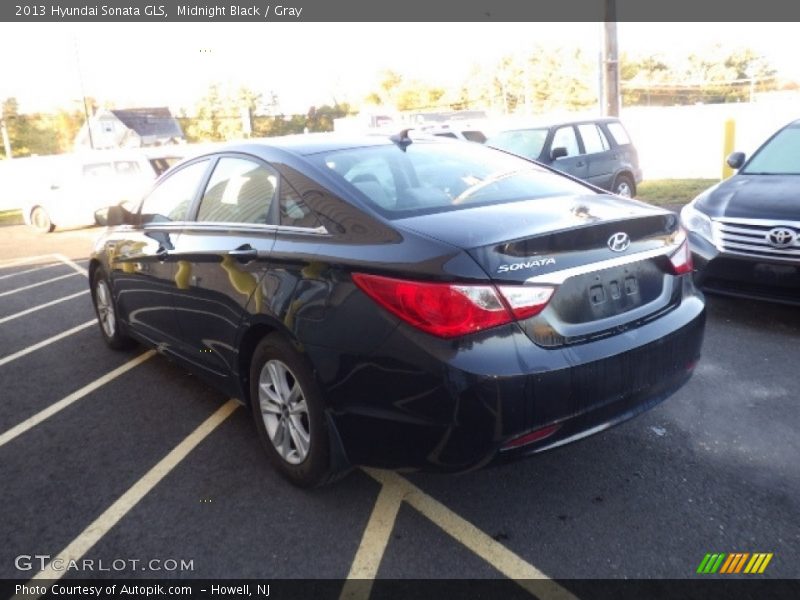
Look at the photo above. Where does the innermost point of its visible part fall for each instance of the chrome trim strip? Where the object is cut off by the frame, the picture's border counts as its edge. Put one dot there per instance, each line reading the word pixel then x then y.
pixel 768 223
pixel 786 258
pixel 224 226
pixel 559 277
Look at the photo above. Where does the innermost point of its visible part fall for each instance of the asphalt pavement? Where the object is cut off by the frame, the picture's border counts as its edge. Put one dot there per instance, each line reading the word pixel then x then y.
pixel 125 456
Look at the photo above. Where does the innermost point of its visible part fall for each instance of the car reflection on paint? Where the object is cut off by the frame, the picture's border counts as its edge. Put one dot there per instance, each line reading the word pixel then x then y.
pixel 409 304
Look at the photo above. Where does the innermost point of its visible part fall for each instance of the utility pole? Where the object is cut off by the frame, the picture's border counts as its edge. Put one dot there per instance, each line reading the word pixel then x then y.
pixel 611 90
pixel 83 95
pixel 6 141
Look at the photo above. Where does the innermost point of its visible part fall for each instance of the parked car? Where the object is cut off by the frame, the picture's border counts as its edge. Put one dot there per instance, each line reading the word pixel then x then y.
pixel 745 231
pixel 415 304
pixel 69 188
pixel 599 151
pixel 457 131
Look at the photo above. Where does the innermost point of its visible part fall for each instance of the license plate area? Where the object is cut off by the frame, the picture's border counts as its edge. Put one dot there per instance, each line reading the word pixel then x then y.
pixel 607 293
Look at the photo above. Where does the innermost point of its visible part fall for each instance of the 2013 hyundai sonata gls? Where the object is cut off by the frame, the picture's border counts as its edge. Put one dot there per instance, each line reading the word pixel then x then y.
pixel 403 304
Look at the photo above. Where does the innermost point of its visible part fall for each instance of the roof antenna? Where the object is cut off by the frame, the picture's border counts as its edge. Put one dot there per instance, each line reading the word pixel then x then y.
pixel 402 139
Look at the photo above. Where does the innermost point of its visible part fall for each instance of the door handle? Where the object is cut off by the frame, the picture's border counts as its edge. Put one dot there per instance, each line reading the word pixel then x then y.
pixel 161 253
pixel 244 253
pixel 580 163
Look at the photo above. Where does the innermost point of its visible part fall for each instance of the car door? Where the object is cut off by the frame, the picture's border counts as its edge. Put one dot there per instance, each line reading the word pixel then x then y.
pixel 143 262
pixel 601 160
pixel 221 258
pixel 574 162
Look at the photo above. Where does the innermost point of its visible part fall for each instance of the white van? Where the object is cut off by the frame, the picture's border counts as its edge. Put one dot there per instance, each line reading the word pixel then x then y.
pixel 66 190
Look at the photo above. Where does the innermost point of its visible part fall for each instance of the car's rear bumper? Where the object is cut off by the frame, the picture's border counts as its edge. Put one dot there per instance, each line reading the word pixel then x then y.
pixel 454 405
pixel 744 276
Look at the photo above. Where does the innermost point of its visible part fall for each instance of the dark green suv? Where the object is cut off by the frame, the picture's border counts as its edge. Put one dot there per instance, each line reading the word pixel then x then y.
pixel 596 150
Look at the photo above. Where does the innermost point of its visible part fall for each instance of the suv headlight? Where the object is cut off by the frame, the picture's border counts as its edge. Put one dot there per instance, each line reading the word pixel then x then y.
pixel 695 221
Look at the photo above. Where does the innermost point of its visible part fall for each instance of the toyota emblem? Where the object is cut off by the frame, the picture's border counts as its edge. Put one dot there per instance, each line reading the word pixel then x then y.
pixel 781 237
pixel 619 242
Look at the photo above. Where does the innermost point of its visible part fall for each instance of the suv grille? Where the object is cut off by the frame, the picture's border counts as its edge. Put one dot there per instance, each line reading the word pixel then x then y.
pixel 757 238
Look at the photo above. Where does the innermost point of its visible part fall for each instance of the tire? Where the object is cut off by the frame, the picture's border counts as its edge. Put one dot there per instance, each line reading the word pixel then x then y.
pixel 40 220
pixel 624 186
pixel 288 412
pixel 106 310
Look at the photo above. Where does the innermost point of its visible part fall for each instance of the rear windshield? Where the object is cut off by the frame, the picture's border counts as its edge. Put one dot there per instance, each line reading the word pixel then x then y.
pixel 434 177
pixel 779 156
pixel 524 142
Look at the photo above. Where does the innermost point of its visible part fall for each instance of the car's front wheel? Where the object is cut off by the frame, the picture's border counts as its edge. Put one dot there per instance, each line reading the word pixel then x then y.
pixel 288 412
pixel 624 186
pixel 40 220
pixel 107 315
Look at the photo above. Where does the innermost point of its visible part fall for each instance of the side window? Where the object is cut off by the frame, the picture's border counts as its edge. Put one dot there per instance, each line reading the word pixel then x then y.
pixel 171 199
pixel 565 137
pixel 593 139
pixel 618 132
pixel 293 211
pixel 239 191
pixel 98 170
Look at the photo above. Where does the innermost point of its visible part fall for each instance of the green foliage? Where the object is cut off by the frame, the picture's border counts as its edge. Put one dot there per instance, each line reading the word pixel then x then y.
pixel 38 133
pixel 716 75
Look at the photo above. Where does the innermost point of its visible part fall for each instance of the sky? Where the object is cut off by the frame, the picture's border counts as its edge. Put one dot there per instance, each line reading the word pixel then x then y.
pixel 51 65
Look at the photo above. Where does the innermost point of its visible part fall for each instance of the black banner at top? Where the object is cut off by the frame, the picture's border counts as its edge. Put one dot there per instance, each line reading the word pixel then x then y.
pixel 398 11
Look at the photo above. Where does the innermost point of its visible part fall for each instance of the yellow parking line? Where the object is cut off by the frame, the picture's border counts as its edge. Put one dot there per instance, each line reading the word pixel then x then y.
pixel 47 342
pixel 37 284
pixel 114 513
pixel 501 558
pixel 28 311
pixel 373 544
pixel 48 412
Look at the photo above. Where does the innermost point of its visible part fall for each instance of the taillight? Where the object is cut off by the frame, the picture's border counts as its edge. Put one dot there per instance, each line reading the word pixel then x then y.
pixel 449 309
pixel 681 260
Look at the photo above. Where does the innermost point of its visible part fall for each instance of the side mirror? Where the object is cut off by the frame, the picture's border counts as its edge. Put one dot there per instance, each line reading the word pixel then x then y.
pixel 113 216
pixel 559 152
pixel 736 160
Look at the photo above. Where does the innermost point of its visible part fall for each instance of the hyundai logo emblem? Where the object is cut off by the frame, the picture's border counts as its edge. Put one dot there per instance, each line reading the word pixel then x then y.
pixel 781 237
pixel 619 242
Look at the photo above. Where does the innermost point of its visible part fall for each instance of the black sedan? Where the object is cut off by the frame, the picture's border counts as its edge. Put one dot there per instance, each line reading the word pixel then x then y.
pixel 403 304
pixel 745 231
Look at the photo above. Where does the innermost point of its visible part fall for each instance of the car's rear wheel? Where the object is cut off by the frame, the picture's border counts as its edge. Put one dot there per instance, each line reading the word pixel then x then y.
pixel 624 186
pixel 288 412
pixel 106 311
pixel 40 220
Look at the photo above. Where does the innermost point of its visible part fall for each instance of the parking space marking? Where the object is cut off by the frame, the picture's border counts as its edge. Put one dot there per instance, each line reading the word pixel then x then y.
pixel 37 284
pixel 13 262
pixel 33 270
pixel 72 264
pixel 373 544
pixel 501 558
pixel 47 342
pixel 28 311
pixel 76 549
pixel 48 412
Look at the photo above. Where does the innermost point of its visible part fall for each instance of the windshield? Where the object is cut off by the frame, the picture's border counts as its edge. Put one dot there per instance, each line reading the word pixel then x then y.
pixel 434 177
pixel 779 156
pixel 524 142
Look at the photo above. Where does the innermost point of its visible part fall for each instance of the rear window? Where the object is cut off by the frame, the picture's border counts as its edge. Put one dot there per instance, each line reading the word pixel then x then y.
pixel 434 177
pixel 618 132
pixel 779 156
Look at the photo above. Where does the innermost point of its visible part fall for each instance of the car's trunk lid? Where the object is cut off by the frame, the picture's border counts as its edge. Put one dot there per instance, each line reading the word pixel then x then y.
pixel 607 259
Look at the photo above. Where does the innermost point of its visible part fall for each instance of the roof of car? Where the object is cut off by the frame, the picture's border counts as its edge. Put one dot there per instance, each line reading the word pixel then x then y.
pixel 555 122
